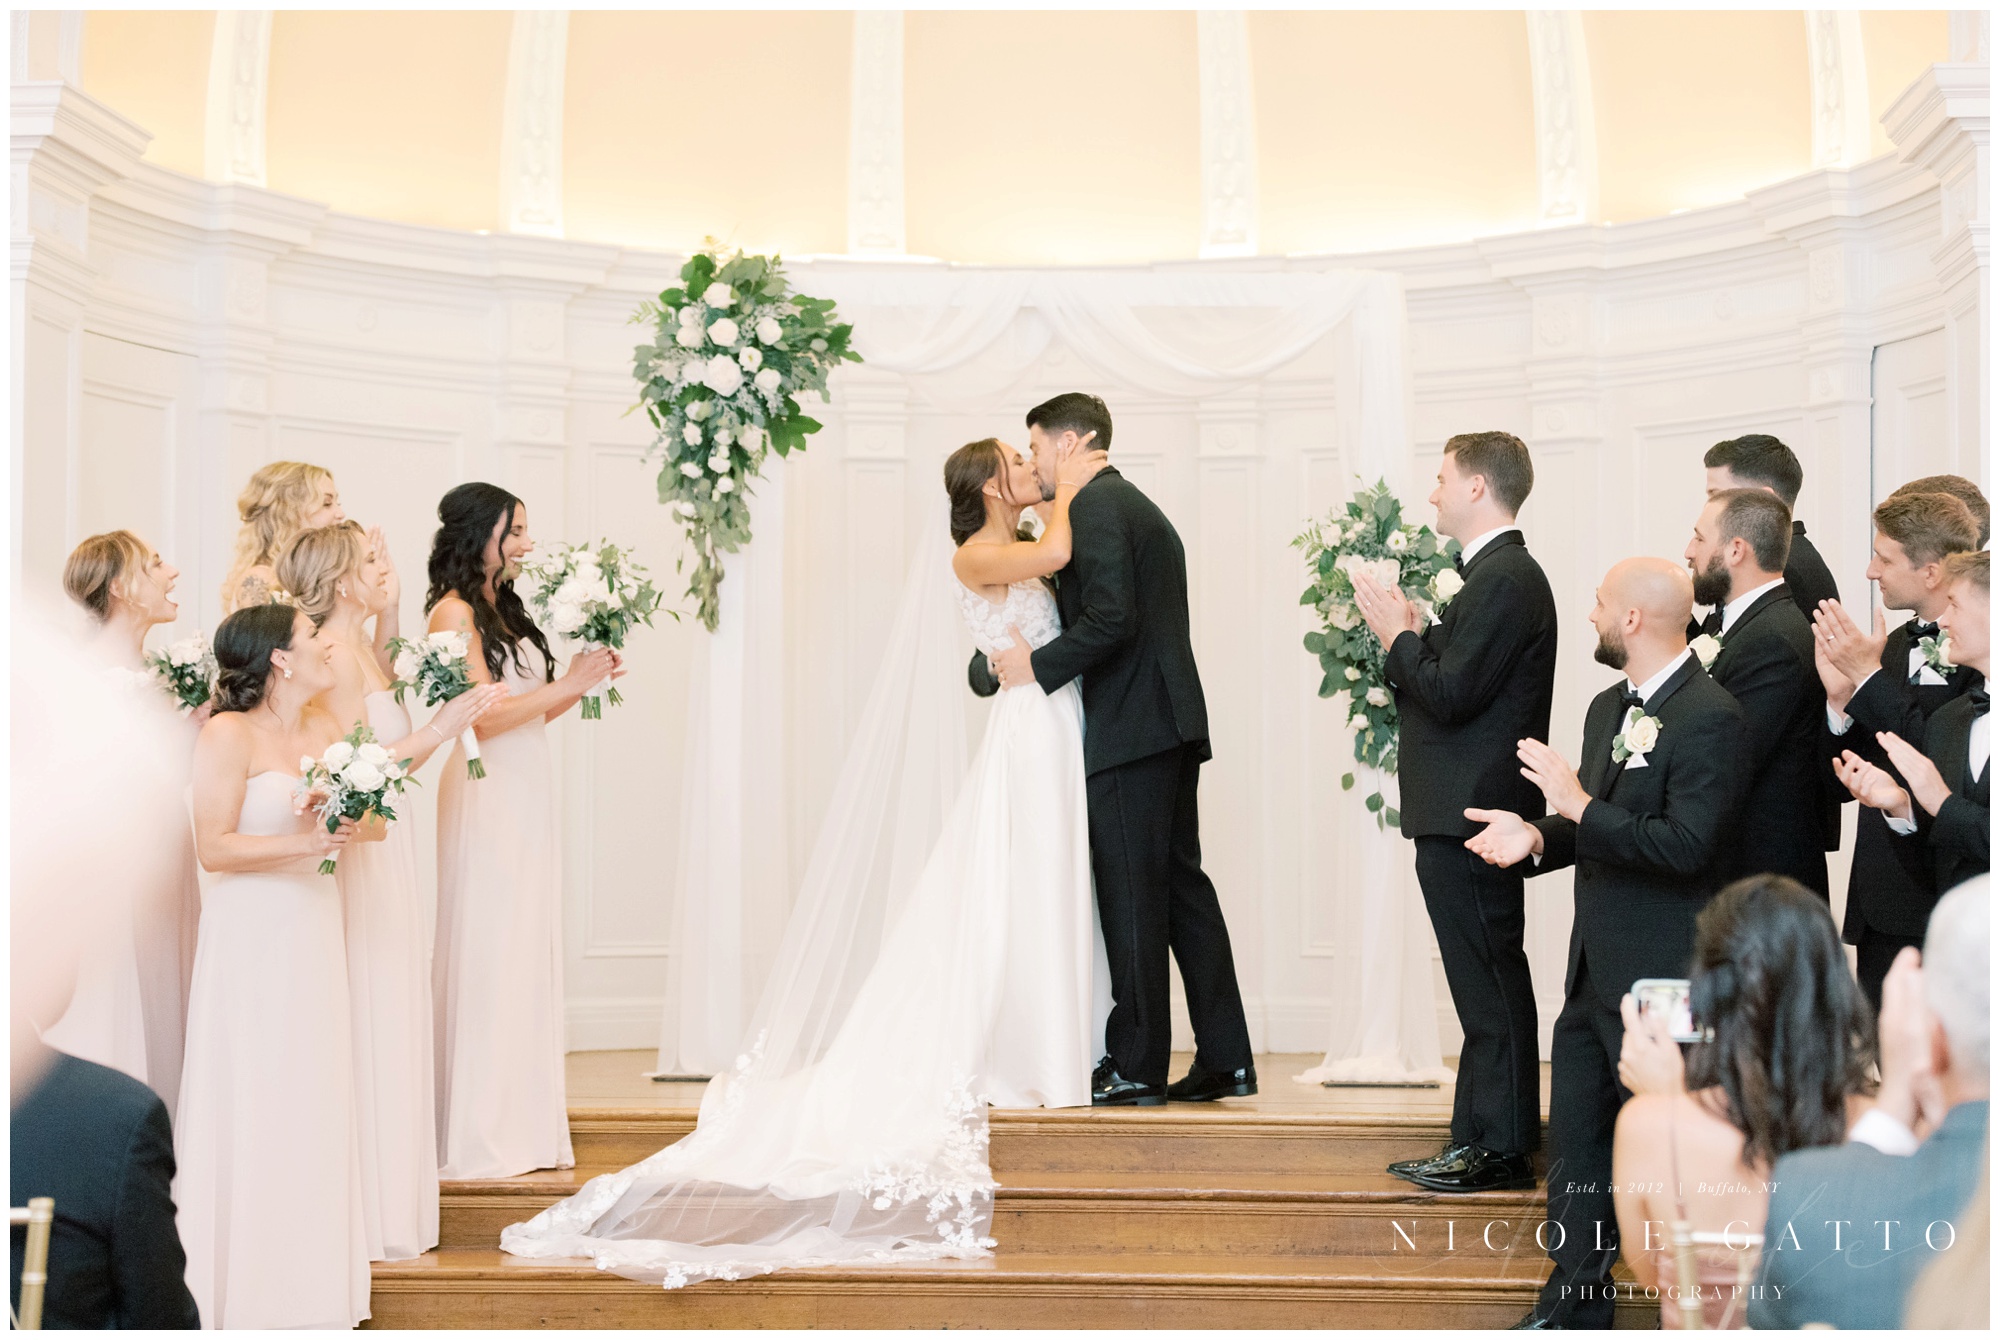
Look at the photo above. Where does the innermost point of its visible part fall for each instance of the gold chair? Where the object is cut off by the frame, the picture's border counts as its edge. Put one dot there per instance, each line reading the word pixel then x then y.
pixel 1688 1297
pixel 39 1217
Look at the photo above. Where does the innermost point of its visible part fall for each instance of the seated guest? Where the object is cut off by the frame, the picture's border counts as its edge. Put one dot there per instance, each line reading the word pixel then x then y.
pixel 1945 800
pixel 1760 461
pixel 97 1142
pixel 1850 1229
pixel 1961 488
pixel 1892 681
pixel 1789 1046
pixel 1956 1293
pixel 1762 653
pixel 1650 828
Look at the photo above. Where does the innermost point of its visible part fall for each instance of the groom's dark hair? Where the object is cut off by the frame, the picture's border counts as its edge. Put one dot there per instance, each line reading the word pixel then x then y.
pixel 1074 412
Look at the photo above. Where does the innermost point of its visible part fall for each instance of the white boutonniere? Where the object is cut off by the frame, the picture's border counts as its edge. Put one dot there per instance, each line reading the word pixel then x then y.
pixel 1447 584
pixel 1640 735
pixel 1706 648
pixel 1936 652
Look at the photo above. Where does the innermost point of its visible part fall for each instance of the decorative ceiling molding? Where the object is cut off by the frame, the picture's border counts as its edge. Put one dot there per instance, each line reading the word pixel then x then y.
pixel 1840 128
pixel 239 68
pixel 1565 120
pixel 531 124
pixel 1228 135
pixel 875 217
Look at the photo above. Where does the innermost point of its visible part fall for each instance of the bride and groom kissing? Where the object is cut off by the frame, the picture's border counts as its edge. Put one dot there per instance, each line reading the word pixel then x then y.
pixel 1024 965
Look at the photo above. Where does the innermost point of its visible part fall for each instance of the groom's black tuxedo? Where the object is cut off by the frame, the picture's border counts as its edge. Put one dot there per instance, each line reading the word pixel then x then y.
pixel 1123 600
pixel 1655 843
pixel 1467 689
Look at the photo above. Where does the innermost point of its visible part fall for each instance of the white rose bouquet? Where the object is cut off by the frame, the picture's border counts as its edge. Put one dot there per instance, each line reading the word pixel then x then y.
pixel 186 670
pixel 436 669
pixel 733 348
pixel 353 779
pixel 1369 535
pixel 593 594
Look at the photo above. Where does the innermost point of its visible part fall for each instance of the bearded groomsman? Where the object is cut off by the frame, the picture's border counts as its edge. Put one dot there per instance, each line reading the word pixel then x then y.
pixel 1763 655
pixel 1650 827
pixel 1467 688
pixel 1760 461
pixel 1893 681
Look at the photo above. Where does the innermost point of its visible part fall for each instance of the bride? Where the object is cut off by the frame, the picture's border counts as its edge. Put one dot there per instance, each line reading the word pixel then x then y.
pixel 914 987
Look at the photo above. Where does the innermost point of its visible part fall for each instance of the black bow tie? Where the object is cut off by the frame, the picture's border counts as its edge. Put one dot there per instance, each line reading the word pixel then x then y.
pixel 1458 562
pixel 1712 625
pixel 1631 698
pixel 1978 697
pixel 1920 629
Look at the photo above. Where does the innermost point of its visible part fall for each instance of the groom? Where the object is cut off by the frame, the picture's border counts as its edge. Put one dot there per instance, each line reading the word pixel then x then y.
pixel 1124 608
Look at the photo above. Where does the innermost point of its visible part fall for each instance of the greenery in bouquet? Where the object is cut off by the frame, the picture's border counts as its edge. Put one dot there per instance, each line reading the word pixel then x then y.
pixel 436 668
pixel 186 671
pixel 1369 535
pixel 594 594
pixel 734 347
pixel 353 779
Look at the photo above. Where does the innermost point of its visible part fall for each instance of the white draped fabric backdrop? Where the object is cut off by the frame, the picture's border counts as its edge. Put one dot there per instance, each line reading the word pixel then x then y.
pixel 1319 358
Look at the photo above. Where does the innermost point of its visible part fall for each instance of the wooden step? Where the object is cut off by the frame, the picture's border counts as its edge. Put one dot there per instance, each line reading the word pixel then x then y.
pixel 1089 1214
pixel 470 1288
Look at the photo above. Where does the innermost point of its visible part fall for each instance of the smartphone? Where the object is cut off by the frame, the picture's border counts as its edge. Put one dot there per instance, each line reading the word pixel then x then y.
pixel 1668 998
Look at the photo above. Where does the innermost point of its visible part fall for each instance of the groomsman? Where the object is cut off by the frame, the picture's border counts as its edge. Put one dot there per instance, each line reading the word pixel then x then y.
pixel 1650 827
pixel 1893 681
pixel 1961 488
pixel 1944 799
pixel 1760 461
pixel 1762 654
pixel 1467 688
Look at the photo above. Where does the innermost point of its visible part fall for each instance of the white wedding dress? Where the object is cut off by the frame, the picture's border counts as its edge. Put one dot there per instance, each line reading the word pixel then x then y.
pixel 854 1125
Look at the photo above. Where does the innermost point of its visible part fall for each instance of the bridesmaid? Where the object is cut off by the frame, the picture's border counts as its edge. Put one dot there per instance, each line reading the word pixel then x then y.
pixel 129 1010
pixel 269 1186
pixel 336 577
pixel 281 499
pixel 498 970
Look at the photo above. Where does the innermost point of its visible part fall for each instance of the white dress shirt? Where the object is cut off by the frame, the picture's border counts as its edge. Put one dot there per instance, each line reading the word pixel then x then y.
pixel 1883 1132
pixel 1645 692
pixel 1466 552
pixel 1978 751
pixel 1839 722
pixel 1734 609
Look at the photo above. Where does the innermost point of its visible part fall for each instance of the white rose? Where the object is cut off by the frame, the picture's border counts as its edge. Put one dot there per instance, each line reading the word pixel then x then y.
pixel 691 470
pixel 441 639
pixel 566 618
pixel 719 295
pixel 719 464
pixel 338 755
pixel 571 592
pixel 722 375
pixel 768 381
pixel 687 509
pixel 688 337
pixel 700 409
pixel 1706 648
pixel 1642 735
pixel 372 753
pixel 725 485
pixel 1353 674
pixel 307 763
pixel 406 664
pixel 1386 571
pixel 724 332
pixel 723 437
pixel 1378 696
pixel 751 358
pixel 689 315
pixel 187 651
pixel 769 331
pixel 1447 584
pixel 1342 616
pixel 1359 721
pixel 751 437
pixel 1398 541
pixel 363 776
pixel 691 434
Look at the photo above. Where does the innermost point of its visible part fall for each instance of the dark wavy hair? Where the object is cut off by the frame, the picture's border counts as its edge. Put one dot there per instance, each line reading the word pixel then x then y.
pixel 965 474
pixel 243 646
pixel 1793 1037
pixel 467 518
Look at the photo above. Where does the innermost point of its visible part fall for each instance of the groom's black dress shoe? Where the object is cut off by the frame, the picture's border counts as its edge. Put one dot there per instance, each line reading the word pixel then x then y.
pixel 1534 1322
pixel 1108 1088
pixel 1409 1168
pixel 1476 1169
pixel 1198 1086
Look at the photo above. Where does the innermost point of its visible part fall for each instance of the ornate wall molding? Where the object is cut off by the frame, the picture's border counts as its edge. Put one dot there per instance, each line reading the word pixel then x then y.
pixel 1228 135
pixel 1840 124
pixel 1565 121
pixel 531 125
pixel 1971 31
pixel 239 68
pixel 875 225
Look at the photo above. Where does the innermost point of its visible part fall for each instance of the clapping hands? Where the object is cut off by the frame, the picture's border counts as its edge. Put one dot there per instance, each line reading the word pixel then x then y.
pixel 1507 839
pixel 1386 610
pixel 1843 654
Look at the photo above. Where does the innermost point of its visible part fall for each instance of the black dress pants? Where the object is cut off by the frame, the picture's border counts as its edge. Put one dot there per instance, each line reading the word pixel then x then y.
pixel 1874 952
pixel 1585 1095
pixel 1477 911
pixel 1152 896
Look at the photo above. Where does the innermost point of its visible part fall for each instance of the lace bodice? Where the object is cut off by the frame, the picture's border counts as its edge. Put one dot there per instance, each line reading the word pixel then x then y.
pixel 1029 607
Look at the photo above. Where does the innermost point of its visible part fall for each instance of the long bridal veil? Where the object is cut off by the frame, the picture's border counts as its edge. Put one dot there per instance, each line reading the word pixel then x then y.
pixel 816 1148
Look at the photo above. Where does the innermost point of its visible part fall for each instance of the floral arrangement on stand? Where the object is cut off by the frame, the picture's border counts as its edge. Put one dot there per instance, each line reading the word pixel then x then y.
pixel 734 347
pixel 436 668
pixel 353 779
pixel 185 671
pixel 593 594
pixel 1369 535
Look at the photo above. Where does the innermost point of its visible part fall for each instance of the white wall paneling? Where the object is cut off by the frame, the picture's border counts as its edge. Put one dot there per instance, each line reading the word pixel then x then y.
pixel 171 335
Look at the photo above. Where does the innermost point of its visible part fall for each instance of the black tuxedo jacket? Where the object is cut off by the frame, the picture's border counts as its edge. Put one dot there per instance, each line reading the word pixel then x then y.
pixel 1893 886
pixel 1468 687
pixel 1960 833
pixel 1656 842
pixel 1124 607
pixel 1766 664
pixel 1806 574
pixel 98 1142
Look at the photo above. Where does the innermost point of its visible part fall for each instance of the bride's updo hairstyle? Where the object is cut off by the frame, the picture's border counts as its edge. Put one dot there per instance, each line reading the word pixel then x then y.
pixel 243 647
pixel 965 474
pixel 313 567
pixel 468 516
pixel 96 567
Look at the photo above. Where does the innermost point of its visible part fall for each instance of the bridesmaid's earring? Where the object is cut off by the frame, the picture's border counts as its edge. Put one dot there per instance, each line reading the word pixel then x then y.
pixel 342 588
pixel 288 672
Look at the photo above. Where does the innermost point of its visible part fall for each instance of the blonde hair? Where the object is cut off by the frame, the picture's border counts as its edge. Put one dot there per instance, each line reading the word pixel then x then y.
pixel 316 561
pixel 1975 567
pixel 96 566
pixel 273 506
